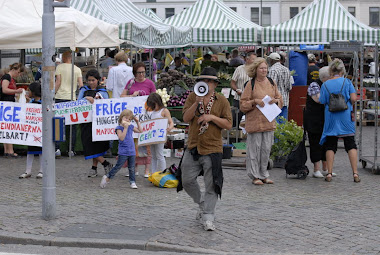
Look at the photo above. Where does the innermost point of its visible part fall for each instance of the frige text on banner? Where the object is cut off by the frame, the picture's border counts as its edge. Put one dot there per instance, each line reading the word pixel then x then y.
pixel 105 115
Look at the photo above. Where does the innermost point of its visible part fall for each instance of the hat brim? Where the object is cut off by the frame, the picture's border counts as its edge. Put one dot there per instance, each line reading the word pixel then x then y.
pixel 209 77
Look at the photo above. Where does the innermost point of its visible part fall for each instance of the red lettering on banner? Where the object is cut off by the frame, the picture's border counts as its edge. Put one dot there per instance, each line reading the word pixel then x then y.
pixel 74 119
pixel 105 131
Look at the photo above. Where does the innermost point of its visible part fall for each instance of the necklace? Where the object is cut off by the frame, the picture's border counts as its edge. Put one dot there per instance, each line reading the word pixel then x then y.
pixel 259 80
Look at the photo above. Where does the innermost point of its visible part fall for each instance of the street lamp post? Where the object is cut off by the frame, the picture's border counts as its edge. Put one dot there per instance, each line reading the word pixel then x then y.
pixel 48 81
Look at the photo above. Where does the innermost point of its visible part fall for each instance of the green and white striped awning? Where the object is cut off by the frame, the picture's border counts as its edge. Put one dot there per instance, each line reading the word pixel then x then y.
pixel 321 22
pixel 214 23
pixel 135 27
pixel 151 14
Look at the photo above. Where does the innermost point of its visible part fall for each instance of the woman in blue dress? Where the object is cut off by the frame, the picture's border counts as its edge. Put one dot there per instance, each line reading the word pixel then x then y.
pixel 339 124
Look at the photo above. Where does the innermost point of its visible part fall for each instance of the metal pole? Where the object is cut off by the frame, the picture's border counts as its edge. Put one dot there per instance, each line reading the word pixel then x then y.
pixel 48 69
pixel 191 61
pixel 376 104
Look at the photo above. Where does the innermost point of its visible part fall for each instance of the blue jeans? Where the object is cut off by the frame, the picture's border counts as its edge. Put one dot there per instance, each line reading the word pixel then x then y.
pixel 284 113
pixel 120 162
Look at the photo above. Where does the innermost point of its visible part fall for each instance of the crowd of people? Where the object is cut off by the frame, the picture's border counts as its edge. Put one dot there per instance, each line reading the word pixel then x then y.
pixel 254 78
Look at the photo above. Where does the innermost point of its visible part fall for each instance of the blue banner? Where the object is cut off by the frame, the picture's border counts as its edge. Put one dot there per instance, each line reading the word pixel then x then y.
pixel 312 47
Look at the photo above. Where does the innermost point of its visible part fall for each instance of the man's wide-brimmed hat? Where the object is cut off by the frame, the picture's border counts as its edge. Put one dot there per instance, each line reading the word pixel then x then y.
pixel 208 73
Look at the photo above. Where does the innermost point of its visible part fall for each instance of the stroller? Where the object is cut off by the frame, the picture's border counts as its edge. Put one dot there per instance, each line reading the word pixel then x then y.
pixel 295 163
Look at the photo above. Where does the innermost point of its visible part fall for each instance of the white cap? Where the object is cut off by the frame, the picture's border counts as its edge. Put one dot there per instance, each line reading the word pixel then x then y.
pixel 274 56
pixel 311 57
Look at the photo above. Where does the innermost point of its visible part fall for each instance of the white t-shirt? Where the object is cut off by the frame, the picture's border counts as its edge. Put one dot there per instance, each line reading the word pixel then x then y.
pixel 241 77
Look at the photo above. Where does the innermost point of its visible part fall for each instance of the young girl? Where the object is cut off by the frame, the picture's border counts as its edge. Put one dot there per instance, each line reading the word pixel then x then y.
pixel 156 109
pixel 93 150
pixel 35 95
pixel 126 148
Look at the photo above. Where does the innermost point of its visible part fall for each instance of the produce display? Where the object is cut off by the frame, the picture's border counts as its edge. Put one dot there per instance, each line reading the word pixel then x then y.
pixel 164 95
pixel 173 77
pixel 178 100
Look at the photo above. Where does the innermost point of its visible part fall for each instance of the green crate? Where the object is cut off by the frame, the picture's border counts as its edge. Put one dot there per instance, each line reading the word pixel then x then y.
pixel 240 146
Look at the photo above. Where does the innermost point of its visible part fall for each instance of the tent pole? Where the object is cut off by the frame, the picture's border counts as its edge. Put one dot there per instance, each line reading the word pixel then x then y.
pixel 191 60
pixel 72 97
pixel 130 55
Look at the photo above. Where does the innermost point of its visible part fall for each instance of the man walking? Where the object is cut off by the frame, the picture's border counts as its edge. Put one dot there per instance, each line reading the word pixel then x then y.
pixel 65 92
pixel 207 116
pixel 239 78
pixel 281 75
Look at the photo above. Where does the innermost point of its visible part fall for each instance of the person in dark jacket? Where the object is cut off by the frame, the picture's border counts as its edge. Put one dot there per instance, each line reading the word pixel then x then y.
pixel 314 119
pixel 207 116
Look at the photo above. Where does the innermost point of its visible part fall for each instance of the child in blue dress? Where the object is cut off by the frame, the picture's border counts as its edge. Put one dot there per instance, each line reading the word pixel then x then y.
pixel 126 148
pixel 35 95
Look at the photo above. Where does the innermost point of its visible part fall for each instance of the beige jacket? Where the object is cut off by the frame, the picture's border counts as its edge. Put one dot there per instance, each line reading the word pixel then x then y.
pixel 255 121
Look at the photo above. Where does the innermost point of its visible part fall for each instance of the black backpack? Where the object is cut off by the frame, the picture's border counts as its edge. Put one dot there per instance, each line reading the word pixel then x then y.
pixel 253 82
pixel 295 163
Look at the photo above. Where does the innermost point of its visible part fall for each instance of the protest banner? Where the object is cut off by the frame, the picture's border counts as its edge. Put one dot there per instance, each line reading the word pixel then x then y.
pixel 105 115
pixel 154 131
pixel 74 112
pixel 21 123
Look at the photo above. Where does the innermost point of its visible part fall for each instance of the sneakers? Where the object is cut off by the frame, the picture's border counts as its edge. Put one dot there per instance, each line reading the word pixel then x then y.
pixel 58 153
pixel 71 153
pixel 92 173
pixel 208 225
pixel 133 185
pixel 104 181
pixel 39 175
pixel 326 172
pixel 127 173
pixel 108 168
pixel 318 174
pixel 24 176
pixel 136 173
pixel 146 175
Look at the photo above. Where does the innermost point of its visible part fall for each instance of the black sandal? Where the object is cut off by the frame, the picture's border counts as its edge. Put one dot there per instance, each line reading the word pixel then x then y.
pixel 13 155
pixel 328 178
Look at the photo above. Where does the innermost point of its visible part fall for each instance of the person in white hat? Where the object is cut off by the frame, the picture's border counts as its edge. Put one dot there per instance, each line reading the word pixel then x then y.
pixel 281 75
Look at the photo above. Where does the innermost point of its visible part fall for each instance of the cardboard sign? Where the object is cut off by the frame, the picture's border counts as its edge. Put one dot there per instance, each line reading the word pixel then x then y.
pixel 21 123
pixel 74 112
pixel 105 115
pixel 154 131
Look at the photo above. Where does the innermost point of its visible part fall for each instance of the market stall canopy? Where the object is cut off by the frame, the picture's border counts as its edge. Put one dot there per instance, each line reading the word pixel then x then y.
pixel 136 27
pixel 21 27
pixel 214 23
pixel 151 14
pixel 320 22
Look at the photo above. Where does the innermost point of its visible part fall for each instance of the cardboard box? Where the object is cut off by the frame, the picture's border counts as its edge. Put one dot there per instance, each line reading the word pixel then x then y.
pixel 167 153
pixel 239 153
pixel 178 153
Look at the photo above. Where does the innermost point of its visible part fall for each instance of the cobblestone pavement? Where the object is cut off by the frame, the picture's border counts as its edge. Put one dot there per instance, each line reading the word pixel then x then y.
pixel 292 216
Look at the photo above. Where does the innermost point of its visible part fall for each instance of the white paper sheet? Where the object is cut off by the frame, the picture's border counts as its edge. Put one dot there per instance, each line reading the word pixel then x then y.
pixel 270 111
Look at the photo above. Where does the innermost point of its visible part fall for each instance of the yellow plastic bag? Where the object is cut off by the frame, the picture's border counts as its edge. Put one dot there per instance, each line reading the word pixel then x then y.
pixel 163 179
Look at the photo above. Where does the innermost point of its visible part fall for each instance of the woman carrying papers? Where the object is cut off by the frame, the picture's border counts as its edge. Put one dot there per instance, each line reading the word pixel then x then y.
pixel 260 130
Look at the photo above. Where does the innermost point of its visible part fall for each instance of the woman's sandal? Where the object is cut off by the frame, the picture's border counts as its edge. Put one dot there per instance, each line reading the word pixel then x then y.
pixel 257 182
pixel 328 177
pixel 13 155
pixel 268 181
pixel 356 178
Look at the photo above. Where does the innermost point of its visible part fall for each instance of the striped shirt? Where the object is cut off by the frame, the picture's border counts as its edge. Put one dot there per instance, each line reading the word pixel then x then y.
pixel 281 75
pixel 240 77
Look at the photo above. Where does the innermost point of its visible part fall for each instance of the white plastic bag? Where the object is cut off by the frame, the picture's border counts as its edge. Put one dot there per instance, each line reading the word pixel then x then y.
pixel 22 97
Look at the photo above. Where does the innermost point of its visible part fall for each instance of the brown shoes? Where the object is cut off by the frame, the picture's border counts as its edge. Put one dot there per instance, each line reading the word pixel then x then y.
pixel 268 181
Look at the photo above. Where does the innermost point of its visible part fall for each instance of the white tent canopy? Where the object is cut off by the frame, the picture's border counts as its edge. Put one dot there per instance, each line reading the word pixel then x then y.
pixel 320 22
pixel 136 27
pixel 21 27
pixel 214 23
